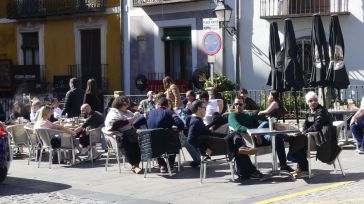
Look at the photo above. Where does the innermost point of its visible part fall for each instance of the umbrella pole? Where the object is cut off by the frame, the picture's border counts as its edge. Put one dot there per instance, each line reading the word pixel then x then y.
pixel 296 107
pixel 282 102
pixel 323 96
pixel 338 94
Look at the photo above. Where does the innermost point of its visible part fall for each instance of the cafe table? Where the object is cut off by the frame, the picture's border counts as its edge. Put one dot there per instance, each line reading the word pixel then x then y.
pixel 347 113
pixel 273 133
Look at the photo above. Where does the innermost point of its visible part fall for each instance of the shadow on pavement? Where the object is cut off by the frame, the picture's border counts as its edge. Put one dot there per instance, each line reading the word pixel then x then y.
pixel 16 186
pixel 327 176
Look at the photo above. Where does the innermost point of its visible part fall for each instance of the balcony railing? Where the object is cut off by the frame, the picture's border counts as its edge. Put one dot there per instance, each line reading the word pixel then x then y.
pixel 84 72
pixel 18 9
pixel 141 3
pixel 301 8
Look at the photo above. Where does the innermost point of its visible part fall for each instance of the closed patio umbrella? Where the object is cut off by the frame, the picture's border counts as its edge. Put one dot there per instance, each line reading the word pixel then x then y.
pixel 337 75
pixel 320 55
pixel 292 72
pixel 275 79
pixel 276 59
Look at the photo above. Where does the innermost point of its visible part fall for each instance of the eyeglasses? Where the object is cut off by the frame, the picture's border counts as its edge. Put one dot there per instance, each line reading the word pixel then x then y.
pixel 312 100
pixel 238 104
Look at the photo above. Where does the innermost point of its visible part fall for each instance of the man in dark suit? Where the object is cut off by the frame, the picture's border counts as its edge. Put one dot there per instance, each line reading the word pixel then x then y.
pixel 73 100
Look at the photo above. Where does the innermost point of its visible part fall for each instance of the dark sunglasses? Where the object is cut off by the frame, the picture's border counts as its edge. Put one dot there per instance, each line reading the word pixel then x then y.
pixel 238 104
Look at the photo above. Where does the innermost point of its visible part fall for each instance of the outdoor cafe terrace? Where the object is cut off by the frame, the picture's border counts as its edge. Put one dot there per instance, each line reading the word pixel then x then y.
pixel 354 92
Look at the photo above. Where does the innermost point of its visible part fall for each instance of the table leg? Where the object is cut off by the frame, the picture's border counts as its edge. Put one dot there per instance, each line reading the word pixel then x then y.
pixel 274 154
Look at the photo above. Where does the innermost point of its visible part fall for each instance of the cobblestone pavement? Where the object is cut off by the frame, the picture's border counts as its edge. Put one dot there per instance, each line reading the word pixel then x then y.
pixel 53 197
pixel 347 193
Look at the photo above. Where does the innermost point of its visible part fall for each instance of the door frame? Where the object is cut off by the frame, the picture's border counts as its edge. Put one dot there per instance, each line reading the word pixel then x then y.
pixel 159 52
pixel 89 24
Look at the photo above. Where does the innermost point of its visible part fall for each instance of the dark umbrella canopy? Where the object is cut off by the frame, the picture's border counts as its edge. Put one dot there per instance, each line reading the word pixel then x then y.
pixel 320 53
pixel 276 59
pixel 337 75
pixel 292 72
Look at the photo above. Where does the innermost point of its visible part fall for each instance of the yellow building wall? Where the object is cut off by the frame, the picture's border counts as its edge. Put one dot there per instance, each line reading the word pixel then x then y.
pixel 59 48
pixel 8 42
pixel 113 52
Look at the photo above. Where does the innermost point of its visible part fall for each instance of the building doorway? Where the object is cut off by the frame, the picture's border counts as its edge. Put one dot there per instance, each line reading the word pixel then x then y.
pixel 91 56
pixel 178 52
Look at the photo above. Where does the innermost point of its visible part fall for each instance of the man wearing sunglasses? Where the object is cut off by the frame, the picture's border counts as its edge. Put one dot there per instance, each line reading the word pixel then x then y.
pixel 242 120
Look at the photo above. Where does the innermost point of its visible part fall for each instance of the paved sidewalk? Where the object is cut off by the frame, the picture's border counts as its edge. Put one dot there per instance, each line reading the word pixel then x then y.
pixel 84 184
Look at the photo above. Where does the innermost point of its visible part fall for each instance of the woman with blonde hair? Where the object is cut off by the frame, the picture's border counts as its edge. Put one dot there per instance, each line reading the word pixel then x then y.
pixel 172 93
pixel 43 121
pixel 92 96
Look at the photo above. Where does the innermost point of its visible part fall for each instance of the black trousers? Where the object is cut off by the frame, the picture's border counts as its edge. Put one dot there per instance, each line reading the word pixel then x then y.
pixel 171 160
pixel 298 149
pixel 244 166
pixel 131 151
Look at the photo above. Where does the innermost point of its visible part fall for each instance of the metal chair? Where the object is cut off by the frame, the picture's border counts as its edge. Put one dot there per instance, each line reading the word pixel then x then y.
pixel 156 143
pixel 250 142
pixel 95 137
pixel 311 150
pixel 45 136
pixel 34 142
pixel 112 147
pixel 18 136
pixel 219 147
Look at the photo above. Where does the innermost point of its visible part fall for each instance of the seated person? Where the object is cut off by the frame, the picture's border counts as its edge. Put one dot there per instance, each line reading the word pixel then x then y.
pixel 275 107
pixel 120 119
pixel 212 106
pixel 43 121
pixel 198 135
pixel 94 119
pixel 357 125
pixel 34 111
pixel 316 118
pixel 162 117
pixel 249 103
pixel 19 110
pixel 57 112
pixel 241 120
pixel 45 113
pixel 147 104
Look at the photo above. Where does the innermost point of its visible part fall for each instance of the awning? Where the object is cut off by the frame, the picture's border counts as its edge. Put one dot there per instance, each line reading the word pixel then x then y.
pixel 177 34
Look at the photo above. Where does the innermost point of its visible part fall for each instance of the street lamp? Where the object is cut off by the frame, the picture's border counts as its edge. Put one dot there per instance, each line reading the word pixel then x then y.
pixel 223 14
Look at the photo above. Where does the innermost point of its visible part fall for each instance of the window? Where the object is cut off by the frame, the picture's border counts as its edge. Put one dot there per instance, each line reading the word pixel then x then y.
pixel 307 6
pixel 30 48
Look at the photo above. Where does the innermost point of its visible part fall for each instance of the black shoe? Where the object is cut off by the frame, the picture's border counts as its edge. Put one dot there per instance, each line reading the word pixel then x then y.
pixel 256 175
pixel 194 164
pixel 286 168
